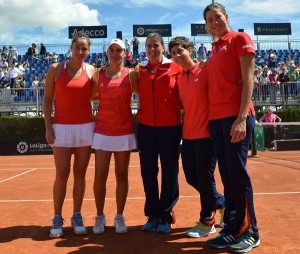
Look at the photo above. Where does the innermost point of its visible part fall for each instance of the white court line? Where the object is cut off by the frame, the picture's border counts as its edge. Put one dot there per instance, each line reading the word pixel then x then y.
pixel 137 198
pixel 7 179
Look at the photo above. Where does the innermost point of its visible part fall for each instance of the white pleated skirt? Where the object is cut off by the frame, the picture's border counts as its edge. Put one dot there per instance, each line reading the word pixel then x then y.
pixel 114 143
pixel 73 135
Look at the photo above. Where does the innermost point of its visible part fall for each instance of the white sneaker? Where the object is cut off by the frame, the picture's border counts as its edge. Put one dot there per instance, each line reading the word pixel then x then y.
pixel 77 224
pixel 120 224
pixel 200 230
pixel 56 229
pixel 100 222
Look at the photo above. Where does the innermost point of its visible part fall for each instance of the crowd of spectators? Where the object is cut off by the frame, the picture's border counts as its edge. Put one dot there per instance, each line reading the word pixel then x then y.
pixel 273 79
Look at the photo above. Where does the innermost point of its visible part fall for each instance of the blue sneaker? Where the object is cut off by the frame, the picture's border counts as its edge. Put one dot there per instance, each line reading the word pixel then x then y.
pixel 56 229
pixel 163 227
pixel 222 241
pixel 150 225
pixel 245 243
pixel 77 224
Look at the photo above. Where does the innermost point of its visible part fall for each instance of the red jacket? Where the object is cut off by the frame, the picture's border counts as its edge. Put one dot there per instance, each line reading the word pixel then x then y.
pixel 158 95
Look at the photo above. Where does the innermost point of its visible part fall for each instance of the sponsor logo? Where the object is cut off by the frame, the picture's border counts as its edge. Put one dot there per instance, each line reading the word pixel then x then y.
pixel 248 46
pixel 140 31
pixel 22 147
pixel 224 48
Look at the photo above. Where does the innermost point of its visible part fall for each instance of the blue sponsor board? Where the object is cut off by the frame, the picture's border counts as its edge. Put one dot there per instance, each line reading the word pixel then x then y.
pixel 25 147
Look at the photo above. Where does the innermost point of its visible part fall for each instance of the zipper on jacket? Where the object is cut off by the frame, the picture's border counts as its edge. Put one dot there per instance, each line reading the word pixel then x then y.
pixel 154 107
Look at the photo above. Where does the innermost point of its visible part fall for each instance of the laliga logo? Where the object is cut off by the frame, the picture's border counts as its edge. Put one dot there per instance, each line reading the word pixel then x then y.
pixel 22 147
pixel 140 31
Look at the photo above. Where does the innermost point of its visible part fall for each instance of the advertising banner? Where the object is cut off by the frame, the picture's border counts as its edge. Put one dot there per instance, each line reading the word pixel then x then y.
pixel 90 31
pixel 272 29
pixel 24 147
pixel 145 30
pixel 198 29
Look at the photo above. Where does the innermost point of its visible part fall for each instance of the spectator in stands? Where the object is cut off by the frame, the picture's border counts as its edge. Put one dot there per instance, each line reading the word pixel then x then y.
pixel 289 62
pixel 293 77
pixel 5 88
pixel 202 52
pixel 4 52
pixel 266 68
pixel 260 62
pixel 284 82
pixel 98 62
pixel 1 73
pixel 264 83
pixel 29 53
pixel 271 59
pixel 26 64
pixel 13 73
pixel 72 129
pixel 35 84
pixel 4 64
pixel 54 58
pixel 114 132
pixel 127 44
pixel 269 130
pixel 128 59
pixel 281 65
pixel 274 84
pixel 47 57
pixel 256 88
pixel 34 53
pixel 20 66
pixel 5 80
pixel 43 51
pixel 136 63
pixel 19 85
pixel 135 46
pixel 12 56
pixel 68 55
pixel 42 84
pixel 104 59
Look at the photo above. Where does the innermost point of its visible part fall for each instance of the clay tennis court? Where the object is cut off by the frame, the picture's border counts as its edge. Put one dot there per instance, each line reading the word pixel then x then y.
pixel 26 209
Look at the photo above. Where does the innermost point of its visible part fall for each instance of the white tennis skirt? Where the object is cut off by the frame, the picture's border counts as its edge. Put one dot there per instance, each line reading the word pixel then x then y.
pixel 73 135
pixel 114 143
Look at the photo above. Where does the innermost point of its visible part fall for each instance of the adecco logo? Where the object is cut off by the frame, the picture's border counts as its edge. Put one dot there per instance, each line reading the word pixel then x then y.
pixel 90 31
pixel 22 147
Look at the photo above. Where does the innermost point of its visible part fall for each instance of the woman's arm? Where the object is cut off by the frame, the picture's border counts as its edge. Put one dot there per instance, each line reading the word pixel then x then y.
pixel 94 90
pixel 134 79
pixel 47 104
pixel 238 129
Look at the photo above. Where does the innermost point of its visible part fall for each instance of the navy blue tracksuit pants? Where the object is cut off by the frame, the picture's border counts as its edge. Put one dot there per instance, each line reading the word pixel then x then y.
pixel 232 160
pixel 199 165
pixel 163 143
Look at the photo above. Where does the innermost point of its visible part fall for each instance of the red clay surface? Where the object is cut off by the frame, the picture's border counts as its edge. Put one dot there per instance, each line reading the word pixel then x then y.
pixel 26 209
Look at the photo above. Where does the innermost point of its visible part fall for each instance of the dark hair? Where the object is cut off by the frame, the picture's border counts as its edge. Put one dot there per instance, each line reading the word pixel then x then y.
pixel 156 36
pixel 210 7
pixel 180 41
pixel 81 35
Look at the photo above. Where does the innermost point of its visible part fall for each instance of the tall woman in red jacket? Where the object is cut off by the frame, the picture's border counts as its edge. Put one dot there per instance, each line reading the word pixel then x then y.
pixel 232 117
pixel 159 134
pixel 69 83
